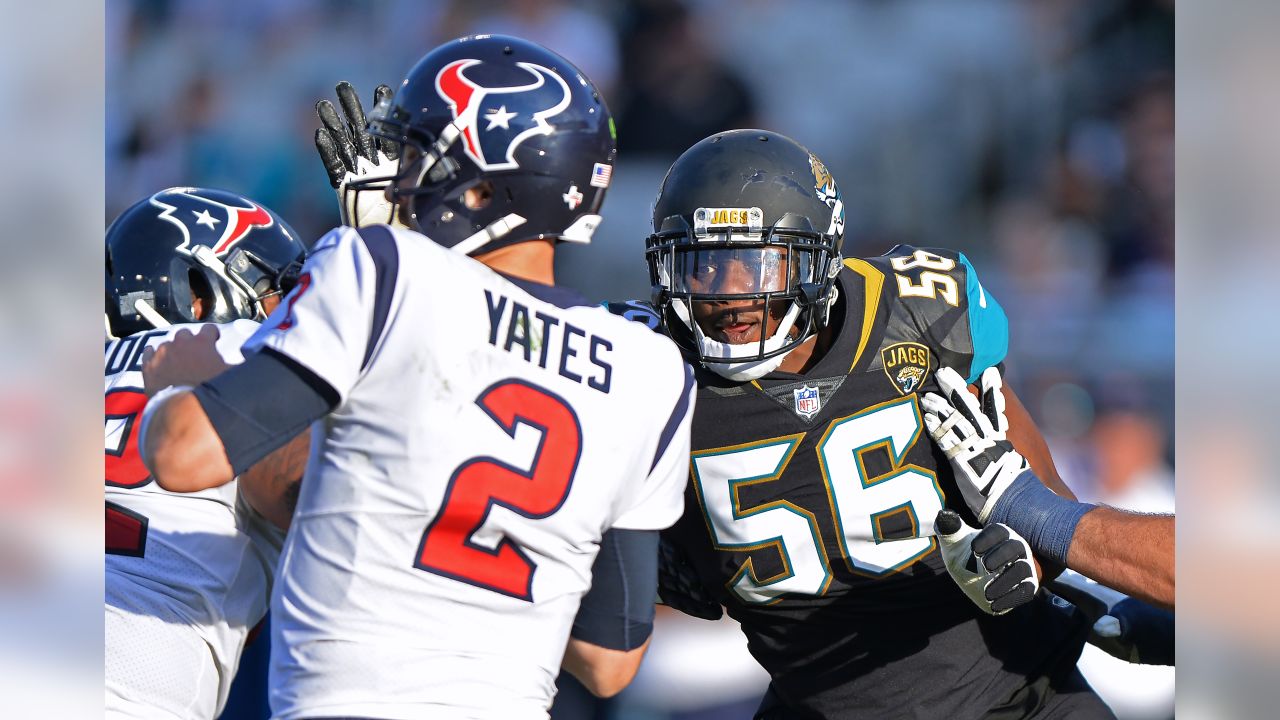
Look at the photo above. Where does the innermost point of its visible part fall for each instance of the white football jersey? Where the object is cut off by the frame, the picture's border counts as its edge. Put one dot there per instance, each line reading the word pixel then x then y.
pixel 488 433
pixel 187 575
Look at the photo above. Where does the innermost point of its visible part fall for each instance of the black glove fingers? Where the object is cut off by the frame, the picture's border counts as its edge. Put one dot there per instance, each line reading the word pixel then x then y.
pixel 1020 595
pixel 1000 553
pixel 988 407
pixel 388 147
pixel 354 113
pixel 963 408
pixel 337 132
pixel 330 156
pixel 1007 581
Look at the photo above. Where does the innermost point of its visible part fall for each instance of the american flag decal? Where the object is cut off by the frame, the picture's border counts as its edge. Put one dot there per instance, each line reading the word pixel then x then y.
pixel 600 175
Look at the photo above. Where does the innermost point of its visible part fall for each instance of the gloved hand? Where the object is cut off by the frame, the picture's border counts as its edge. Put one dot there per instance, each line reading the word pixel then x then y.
pixel 973 438
pixel 350 153
pixel 993 566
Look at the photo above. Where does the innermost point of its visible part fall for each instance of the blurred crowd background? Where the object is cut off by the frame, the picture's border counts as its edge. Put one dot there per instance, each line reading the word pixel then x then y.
pixel 1035 135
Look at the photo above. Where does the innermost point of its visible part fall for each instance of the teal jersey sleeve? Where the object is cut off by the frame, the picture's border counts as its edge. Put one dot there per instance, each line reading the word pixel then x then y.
pixel 988 326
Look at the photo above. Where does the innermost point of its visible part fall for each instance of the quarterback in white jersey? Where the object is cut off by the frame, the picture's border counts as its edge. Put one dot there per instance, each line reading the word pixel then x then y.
pixel 187 576
pixel 484 433
pixel 487 435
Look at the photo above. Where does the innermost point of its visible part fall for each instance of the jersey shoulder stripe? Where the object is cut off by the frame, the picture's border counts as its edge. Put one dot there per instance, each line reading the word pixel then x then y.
pixel 381 245
pixel 937 297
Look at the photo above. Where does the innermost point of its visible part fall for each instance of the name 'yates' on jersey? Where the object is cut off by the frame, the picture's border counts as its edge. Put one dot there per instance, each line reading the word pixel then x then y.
pixel 550 342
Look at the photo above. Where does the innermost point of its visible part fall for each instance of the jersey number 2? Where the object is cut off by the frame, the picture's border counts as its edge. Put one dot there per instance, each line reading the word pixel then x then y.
pixel 448 546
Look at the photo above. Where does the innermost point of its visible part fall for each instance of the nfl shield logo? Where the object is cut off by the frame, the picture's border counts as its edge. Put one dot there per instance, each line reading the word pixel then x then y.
pixel 807 402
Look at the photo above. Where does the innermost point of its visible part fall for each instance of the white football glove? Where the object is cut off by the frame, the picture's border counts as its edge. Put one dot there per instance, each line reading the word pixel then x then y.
pixel 993 566
pixel 350 153
pixel 973 438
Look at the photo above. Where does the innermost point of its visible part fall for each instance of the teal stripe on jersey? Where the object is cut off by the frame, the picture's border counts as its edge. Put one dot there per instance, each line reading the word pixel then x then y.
pixel 988 326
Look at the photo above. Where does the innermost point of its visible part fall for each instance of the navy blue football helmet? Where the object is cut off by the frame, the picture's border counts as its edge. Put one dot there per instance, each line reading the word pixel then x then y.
pixel 509 118
pixel 185 243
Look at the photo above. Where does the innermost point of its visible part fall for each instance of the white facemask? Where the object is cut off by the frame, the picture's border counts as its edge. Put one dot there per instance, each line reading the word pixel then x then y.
pixel 745 370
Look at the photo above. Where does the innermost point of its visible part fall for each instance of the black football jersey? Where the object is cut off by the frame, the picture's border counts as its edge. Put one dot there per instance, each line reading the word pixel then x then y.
pixel 811 504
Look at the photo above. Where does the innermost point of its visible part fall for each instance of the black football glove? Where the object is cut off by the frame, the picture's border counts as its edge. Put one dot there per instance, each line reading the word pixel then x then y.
pixel 678 584
pixel 350 153
pixel 993 566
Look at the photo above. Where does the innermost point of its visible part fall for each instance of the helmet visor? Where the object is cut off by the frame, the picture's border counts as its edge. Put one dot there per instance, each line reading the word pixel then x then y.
pixel 736 271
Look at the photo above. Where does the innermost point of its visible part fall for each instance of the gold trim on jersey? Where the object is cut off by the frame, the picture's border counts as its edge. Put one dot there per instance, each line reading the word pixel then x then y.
pixel 874 285
pixel 897 469
pixel 748 566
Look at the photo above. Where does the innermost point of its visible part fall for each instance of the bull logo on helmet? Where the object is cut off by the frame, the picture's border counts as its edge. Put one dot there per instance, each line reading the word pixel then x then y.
pixel 205 221
pixel 510 115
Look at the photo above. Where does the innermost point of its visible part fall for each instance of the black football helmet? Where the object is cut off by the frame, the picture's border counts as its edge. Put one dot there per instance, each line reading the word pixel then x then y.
pixel 764 202
pixel 503 111
pixel 183 243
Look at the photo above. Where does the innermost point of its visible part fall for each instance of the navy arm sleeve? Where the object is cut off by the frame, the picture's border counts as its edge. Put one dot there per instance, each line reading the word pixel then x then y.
pixel 263 403
pixel 617 612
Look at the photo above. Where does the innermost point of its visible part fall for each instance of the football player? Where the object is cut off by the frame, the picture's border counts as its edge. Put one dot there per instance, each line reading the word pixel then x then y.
pixel 187 576
pixel 486 433
pixel 1130 552
pixel 813 509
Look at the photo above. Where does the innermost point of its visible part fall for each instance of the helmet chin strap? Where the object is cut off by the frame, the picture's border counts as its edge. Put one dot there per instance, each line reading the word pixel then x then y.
pixel 744 370
pixel 150 314
pixel 489 233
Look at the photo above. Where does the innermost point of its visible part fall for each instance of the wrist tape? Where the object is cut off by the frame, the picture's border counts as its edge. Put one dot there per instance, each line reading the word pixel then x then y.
pixel 1047 521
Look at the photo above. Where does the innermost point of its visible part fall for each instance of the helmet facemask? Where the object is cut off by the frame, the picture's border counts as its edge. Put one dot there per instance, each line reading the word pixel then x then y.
pixel 785 271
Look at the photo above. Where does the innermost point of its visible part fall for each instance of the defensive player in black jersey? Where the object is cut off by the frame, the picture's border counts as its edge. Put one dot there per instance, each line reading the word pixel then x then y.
pixel 814 487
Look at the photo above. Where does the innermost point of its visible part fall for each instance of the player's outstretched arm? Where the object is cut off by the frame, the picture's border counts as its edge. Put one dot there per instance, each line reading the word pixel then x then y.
pixel 1130 552
pixel 178 443
pixel 197 438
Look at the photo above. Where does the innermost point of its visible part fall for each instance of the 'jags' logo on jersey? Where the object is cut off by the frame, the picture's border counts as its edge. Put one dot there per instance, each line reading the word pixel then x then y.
pixel 907 364
pixel 205 221
pixel 511 114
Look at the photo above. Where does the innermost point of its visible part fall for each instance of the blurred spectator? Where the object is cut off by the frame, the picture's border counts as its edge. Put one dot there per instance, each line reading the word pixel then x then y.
pixel 1130 472
pixel 581 36
pixel 675 91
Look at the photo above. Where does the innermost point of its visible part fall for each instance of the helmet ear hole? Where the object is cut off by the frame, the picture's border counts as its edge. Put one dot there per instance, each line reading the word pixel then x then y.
pixel 202 301
pixel 478 196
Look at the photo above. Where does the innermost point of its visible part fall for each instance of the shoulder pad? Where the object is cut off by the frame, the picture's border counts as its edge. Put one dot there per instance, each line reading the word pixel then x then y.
pixel 636 310
pixel 939 289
